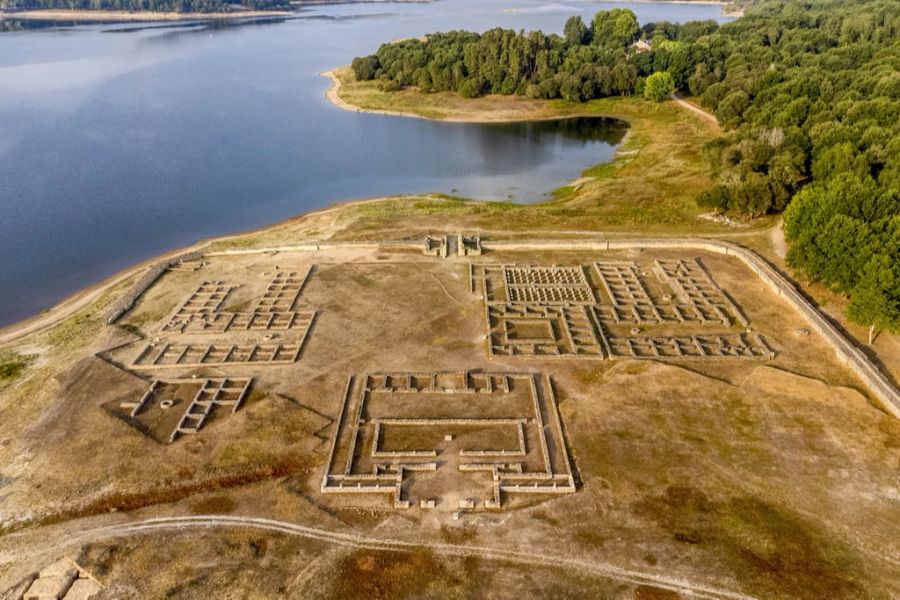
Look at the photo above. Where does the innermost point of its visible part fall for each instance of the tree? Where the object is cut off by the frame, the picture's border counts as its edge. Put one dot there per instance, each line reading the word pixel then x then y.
pixel 875 300
pixel 364 68
pixel 840 158
pixel 615 28
pixel 576 32
pixel 471 88
pixel 625 27
pixel 731 108
pixel 571 89
pixel 659 86
pixel 753 196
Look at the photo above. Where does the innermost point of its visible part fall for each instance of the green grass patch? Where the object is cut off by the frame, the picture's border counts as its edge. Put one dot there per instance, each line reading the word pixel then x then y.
pixel 563 192
pixel 600 171
pixel 12 366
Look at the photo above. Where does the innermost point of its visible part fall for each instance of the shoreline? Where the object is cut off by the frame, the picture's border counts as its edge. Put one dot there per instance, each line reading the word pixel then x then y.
pixel 122 16
pixel 81 298
pixel 65 307
pixel 332 95
pixel 75 301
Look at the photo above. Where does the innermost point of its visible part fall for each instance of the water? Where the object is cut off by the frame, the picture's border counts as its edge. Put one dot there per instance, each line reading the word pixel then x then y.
pixel 119 142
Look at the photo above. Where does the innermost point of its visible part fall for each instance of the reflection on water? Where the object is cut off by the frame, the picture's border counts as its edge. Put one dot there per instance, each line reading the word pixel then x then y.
pixel 114 148
pixel 585 129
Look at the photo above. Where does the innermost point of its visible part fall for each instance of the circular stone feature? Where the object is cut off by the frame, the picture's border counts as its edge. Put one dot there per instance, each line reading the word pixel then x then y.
pixel 166 404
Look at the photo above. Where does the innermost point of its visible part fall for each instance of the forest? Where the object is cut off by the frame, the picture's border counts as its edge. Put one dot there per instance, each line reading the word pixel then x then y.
pixel 808 92
pixel 149 5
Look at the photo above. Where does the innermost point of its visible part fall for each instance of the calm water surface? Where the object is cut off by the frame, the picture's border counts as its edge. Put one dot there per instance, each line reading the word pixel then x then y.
pixel 118 142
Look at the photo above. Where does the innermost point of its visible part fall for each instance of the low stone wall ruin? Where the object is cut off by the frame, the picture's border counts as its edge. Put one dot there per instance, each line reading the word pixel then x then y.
pixel 124 304
pixel 878 383
pixel 847 353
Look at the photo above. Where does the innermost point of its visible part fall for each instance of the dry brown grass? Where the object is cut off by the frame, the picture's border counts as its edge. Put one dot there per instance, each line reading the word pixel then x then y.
pixel 773 478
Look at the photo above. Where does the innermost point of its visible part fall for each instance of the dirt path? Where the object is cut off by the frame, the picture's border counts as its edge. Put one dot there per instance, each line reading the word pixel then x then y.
pixel 695 109
pixel 776 236
pixel 599 569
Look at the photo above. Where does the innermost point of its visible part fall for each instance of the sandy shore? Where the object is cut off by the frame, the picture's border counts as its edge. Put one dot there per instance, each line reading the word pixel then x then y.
pixel 334 97
pixel 121 15
pixel 332 94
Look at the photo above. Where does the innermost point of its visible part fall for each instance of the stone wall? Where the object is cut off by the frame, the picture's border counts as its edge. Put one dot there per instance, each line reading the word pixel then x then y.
pixel 124 304
pixel 878 383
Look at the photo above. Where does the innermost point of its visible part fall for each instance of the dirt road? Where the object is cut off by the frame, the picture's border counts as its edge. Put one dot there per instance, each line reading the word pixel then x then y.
pixel 695 109
pixel 125 529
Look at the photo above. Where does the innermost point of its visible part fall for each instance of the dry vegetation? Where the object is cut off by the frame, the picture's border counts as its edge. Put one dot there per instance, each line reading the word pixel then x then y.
pixel 772 478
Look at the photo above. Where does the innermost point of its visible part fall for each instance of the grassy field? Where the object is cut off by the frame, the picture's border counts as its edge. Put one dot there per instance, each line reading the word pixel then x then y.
pixel 649 187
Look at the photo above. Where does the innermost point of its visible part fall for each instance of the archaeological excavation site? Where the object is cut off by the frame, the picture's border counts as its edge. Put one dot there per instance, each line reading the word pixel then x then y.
pixel 588 418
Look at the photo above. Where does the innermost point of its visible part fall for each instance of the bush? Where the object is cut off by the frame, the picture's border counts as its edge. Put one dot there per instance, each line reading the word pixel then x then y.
pixel 533 91
pixel 715 199
pixel 549 88
pixel 659 86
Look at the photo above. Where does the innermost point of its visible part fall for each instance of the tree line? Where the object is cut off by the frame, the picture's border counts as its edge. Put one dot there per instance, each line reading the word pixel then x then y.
pixel 807 91
pixel 147 5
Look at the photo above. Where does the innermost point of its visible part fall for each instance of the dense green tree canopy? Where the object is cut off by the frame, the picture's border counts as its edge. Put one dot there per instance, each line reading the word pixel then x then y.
pixel 587 62
pixel 808 91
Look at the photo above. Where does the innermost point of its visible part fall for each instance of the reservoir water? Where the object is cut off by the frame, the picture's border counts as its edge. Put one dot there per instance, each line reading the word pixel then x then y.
pixel 119 142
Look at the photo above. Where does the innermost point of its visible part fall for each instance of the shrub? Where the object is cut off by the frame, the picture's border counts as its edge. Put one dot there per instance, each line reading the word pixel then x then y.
pixel 659 86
